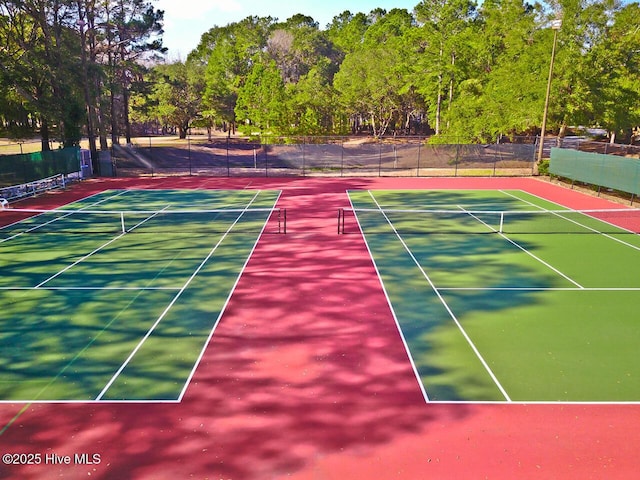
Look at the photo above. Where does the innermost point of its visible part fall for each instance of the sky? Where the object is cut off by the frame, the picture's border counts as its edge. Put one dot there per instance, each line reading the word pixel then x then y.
pixel 186 20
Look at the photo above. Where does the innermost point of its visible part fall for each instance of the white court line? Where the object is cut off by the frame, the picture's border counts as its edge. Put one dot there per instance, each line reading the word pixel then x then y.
pixel 36 227
pixel 516 244
pixel 446 306
pixel 175 299
pixel 86 347
pixel 224 307
pixel 611 237
pixel 8 289
pixel 42 213
pixel 425 395
pixel 68 267
pixel 437 402
pixel 542 289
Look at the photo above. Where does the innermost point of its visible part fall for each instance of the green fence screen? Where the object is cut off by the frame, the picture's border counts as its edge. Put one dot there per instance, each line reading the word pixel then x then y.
pixel 23 168
pixel 619 173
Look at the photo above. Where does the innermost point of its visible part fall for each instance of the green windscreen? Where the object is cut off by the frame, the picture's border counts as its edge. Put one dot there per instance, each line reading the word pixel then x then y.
pixel 619 173
pixel 22 168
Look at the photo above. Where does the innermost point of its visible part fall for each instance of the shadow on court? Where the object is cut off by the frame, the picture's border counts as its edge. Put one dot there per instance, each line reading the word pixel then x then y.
pixel 306 377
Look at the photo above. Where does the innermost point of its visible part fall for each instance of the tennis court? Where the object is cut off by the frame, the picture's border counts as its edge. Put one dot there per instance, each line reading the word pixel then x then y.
pixel 504 296
pixel 115 296
pixel 286 356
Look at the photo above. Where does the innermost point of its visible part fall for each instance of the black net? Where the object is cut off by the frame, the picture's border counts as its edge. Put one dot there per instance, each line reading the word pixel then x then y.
pixel 21 221
pixel 615 221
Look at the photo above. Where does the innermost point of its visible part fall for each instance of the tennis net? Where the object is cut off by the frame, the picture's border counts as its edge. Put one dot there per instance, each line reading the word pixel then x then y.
pixel 611 221
pixel 254 220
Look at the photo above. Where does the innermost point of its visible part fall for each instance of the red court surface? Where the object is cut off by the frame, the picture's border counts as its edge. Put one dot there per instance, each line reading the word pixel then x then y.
pixel 306 377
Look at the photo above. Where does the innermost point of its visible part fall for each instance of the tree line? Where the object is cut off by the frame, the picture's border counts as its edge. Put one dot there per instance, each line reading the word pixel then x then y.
pixel 449 68
pixel 69 67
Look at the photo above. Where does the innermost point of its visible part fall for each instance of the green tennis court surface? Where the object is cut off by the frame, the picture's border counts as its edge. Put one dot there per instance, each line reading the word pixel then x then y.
pixel 115 297
pixel 504 296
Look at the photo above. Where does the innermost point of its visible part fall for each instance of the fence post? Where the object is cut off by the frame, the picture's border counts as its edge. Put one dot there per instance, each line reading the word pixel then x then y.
pixel 495 156
pixel 228 166
pixel 342 157
pixel 189 152
pixel 304 144
pixel 533 160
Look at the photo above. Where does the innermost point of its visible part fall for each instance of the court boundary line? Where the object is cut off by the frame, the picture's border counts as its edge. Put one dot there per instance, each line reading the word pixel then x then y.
pixel 435 402
pixel 444 303
pixel 425 395
pixel 139 402
pixel 224 307
pixel 22 289
pixel 168 307
pixel 544 289
pixel 79 353
pixel 580 289
pixel 68 203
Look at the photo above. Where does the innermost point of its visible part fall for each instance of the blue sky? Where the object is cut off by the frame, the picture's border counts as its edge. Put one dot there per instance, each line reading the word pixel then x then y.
pixel 185 21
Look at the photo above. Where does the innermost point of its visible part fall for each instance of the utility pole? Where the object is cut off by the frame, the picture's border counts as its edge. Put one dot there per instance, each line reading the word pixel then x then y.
pixel 555 25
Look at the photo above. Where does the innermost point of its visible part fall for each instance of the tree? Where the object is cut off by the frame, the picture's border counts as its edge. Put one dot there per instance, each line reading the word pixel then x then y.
pixel 347 31
pixel 311 103
pixel 134 30
pixel 41 60
pixel 585 24
pixel 232 51
pixel 261 100
pixel 297 45
pixel 373 79
pixel 445 33
pixel 56 58
pixel 505 86
pixel 473 72
pixel 613 76
pixel 177 95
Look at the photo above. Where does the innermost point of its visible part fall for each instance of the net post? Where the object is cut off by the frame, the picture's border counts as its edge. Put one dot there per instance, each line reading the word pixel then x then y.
pixel 340 215
pixel 124 230
pixel 284 221
pixel 501 222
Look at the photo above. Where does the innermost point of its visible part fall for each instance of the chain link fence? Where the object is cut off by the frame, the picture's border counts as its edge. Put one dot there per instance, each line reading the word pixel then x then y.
pixel 324 156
